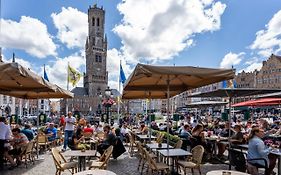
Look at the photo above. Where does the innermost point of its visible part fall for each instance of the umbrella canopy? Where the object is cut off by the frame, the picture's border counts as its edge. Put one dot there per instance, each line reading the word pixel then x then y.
pixel 235 92
pixel 58 93
pixel 259 102
pixel 206 103
pixel 159 80
pixel 271 95
pixel 13 76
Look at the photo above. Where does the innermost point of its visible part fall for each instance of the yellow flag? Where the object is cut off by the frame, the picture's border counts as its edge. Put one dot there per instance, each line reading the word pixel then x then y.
pixel 73 76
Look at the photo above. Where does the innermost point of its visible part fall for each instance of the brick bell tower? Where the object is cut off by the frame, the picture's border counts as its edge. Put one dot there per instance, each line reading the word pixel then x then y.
pixel 96 77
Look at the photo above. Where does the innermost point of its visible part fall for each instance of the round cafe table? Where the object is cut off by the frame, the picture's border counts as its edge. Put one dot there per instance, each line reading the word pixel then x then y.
pixel 96 172
pixel 219 172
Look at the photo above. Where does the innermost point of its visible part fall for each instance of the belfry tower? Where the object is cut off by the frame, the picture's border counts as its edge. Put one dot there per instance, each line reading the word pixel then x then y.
pixel 96 77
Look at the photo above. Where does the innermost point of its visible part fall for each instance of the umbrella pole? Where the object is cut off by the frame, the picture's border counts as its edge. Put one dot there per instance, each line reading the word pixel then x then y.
pixel 149 117
pixel 37 123
pixel 168 113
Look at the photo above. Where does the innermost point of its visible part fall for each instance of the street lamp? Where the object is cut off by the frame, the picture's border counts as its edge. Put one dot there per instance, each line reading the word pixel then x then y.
pixel 108 102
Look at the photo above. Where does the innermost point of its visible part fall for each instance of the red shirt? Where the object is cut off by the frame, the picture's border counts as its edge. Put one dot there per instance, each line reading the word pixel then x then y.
pixel 88 130
pixel 62 121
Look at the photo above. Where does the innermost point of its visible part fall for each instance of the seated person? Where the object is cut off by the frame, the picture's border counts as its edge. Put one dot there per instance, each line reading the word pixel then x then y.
pixel 185 132
pixel 77 144
pixel 198 138
pixel 236 138
pixel 109 139
pixel 257 149
pixel 28 132
pixel 19 143
pixel 125 132
pixel 51 132
pixel 143 129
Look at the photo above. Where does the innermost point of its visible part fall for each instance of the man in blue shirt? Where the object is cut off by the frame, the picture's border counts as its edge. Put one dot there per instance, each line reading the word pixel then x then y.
pixel 51 132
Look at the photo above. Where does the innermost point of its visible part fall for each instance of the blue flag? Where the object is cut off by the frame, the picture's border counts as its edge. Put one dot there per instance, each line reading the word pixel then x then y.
pixel 45 74
pixel 122 77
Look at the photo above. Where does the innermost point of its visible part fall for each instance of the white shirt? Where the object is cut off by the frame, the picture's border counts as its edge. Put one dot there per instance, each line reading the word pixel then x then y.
pixel 124 131
pixel 5 132
pixel 69 126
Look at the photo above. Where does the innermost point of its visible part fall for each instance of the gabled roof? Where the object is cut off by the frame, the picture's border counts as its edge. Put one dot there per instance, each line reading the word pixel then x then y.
pixel 79 91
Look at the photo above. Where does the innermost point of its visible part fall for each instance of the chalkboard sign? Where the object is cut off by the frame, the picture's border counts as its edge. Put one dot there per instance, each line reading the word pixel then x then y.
pixel 14 119
pixel 42 118
pixel 224 116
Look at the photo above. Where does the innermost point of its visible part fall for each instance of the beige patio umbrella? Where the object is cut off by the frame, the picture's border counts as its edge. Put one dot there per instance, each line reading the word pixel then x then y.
pixel 26 94
pixel 159 82
pixel 13 76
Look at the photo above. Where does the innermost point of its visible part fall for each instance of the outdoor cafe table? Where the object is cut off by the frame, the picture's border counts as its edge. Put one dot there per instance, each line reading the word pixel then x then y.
pixel 96 172
pixel 276 152
pixel 174 153
pixel 81 157
pixel 213 140
pixel 152 146
pixel 226 172
pixel 145 137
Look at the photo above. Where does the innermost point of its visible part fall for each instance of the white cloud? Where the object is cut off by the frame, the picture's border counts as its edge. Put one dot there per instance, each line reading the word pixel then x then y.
pixel 113 60
pixel 268 41
pixel 231 59
pixel 72 27
pixel 165 28
pixel 29 34
pixel 57 70
pixel 252 67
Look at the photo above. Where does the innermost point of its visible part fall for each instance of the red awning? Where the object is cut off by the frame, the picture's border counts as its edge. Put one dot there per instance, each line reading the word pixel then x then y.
pixel 259 102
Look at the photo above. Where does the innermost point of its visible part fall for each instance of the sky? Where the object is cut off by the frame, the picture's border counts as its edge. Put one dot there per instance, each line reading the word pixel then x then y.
pixel 203 33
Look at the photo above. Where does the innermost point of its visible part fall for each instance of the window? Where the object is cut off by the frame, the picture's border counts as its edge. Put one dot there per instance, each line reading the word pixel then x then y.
pixel 98 22
pixel 93 21
pixel 98 58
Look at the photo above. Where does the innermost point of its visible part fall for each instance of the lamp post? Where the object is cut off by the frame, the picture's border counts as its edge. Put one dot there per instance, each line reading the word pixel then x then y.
pixel 107 103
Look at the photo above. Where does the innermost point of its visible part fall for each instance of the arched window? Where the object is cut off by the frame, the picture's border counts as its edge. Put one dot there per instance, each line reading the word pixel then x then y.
pixel 98 21
pixel 93 21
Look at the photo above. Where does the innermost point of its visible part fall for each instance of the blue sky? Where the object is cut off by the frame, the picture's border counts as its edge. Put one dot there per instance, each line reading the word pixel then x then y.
pixel 206 33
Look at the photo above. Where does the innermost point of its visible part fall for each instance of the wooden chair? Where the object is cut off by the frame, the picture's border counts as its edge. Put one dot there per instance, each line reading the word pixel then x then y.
pixel 61 163
pixel 43 141
pixel 29 153
pixel 153 166
pixel 195 162
pixel 142 159
pixel 103 160
pixel 178 144
pixel 132 146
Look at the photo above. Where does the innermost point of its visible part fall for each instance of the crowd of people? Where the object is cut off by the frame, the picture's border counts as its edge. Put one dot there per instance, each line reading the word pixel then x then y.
pixel 256 133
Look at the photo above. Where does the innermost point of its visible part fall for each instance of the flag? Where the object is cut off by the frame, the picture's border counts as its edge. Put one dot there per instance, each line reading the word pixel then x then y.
pixel 45 74
pixel 122 77
pixel 73 76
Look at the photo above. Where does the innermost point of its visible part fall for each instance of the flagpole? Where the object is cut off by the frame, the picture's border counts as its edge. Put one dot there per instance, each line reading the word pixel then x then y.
pixel 118 103
pixel 67 87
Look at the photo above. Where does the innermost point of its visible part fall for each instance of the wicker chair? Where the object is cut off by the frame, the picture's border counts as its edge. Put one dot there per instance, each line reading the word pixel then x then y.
pixel 103 160
pixel 61 163
pixel 195 162
pixel 132 146
pixel 153 166
pixel 178 144
pixel 29 153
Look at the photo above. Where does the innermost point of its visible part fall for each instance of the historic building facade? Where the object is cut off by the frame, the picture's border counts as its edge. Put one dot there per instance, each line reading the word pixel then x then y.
pixel 246 79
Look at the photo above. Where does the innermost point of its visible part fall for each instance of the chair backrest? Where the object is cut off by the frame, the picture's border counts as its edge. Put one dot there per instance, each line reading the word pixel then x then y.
pixel 159 138
pixel 140 150
pixel 57 157
pixel 237 159
pixel 178 144
pixel 42 138
pixel 106 155
pixel 100 135
pixel 29 147
pixel 197 154
pixel 149 159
